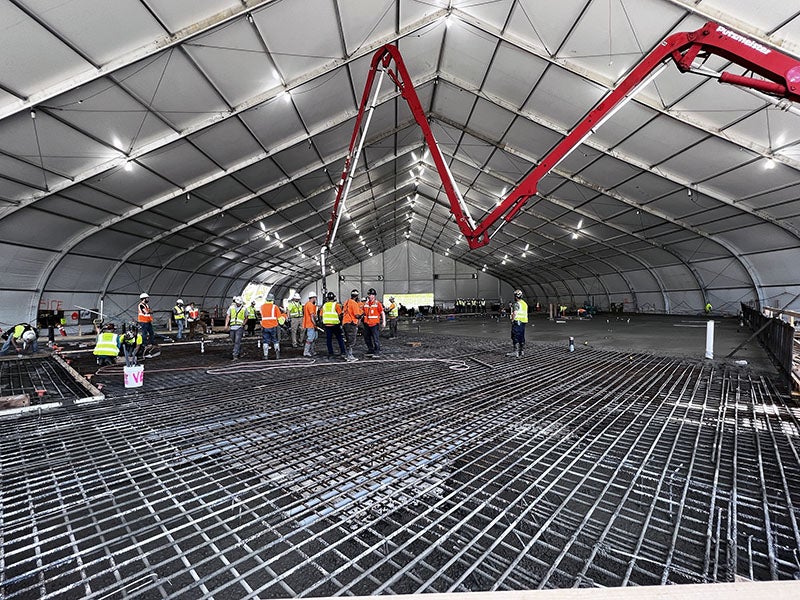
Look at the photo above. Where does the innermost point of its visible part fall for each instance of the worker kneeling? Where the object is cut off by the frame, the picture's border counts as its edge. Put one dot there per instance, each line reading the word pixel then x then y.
pixel 106 349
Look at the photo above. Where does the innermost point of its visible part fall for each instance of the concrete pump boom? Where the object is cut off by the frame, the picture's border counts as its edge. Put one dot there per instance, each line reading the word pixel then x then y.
pixel 778 75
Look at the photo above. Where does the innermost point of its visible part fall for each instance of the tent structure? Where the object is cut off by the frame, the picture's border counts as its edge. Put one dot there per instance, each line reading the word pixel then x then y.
pixel 190 148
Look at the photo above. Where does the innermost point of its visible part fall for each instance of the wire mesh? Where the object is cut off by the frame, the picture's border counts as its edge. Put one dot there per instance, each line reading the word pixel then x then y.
pixel 423 471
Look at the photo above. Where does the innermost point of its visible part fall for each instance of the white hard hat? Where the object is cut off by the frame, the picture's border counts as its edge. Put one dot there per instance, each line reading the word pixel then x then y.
pixel 296 296
pixel 144 295
pixel 312 294
pixel 180 301
pixel 238 299
pixel 29 335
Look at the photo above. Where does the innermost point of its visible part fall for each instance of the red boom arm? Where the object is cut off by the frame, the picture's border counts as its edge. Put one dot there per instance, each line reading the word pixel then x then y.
pixel 780 73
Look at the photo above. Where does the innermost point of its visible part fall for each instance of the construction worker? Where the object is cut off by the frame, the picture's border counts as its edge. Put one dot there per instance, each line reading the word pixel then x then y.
pixel 351 315
pixel 331 313
pixel 131 342
pixel 235 320
pixel 519 318
pixel 374 321
pixel 23 337
pixel 192 317
pixel 295 310
pixel 310 323
pixel 106 348
pixel 179 314
pixel 272 317
pixel 252 318
pixel 392 312
pixel 145 320
pixel 708 308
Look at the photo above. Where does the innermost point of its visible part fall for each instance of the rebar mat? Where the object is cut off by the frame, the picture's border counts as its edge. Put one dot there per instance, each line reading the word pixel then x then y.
pixel 43 379
pixel 442 468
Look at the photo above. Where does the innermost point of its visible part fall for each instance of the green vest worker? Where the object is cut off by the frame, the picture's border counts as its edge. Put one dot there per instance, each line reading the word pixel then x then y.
pixel 106 349
pixel 519 318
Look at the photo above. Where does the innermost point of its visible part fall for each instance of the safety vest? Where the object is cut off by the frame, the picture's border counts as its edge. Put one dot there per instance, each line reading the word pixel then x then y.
pixel 330 316
pixel 269 315
pixel 295 309
pixel 251 312
pixel 193 314
pixel 18 331
pixel 238 315
pixel 145 314
pixel 351 311
pixel 520 311
pixel 309 315
pixel 393 311
pixel 107 345
pixel 132 343
pixel 372 313
pixel 179 312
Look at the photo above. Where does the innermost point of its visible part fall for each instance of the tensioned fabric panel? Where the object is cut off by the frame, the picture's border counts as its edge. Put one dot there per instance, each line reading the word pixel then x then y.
pixel 419 262
pixel 78 273
pixel 395 264
pixel 22 265
pixel 687 302
pixel 444 291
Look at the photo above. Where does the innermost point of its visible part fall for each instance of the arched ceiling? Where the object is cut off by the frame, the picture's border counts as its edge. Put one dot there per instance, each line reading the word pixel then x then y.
pixel 191 147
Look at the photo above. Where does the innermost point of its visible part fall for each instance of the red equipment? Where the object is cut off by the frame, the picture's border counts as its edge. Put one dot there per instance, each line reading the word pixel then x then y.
pixel 780 73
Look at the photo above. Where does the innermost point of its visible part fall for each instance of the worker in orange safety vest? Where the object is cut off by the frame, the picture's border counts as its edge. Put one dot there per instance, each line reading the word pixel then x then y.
pixel 352 312
pixel 272 317
pixel 374 321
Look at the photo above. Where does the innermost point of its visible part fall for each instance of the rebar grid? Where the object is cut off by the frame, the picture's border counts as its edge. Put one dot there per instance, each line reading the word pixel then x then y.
pixel 41 378
pixel 400 475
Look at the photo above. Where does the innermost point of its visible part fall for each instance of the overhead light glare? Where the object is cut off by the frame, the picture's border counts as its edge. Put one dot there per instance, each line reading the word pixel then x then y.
pixel 770 164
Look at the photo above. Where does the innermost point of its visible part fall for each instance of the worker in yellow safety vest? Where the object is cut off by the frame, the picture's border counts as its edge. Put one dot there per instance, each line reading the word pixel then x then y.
pixel 235 320
pixel 331 313
pixel 179 314
pixel 106 348
pixel 393 312
pixel 519 318
pixel 295 309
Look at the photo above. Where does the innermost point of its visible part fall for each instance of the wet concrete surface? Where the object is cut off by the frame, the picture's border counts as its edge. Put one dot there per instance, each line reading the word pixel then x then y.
pixel 678 336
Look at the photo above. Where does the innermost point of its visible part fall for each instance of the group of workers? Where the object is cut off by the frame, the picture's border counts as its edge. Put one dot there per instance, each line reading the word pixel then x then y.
pixel 306 321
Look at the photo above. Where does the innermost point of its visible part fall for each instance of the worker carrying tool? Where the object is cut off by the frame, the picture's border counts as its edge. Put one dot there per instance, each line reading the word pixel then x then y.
pixel 107 345
pixel 23 338
pixel 519 319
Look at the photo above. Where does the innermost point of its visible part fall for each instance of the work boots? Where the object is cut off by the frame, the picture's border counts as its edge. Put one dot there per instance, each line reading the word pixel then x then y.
pixel 521 351
pixel 277 350
pixel 307 350
pixel 515 352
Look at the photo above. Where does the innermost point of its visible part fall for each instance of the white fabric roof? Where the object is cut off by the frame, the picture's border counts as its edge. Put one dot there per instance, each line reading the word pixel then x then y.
pixel 163 140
